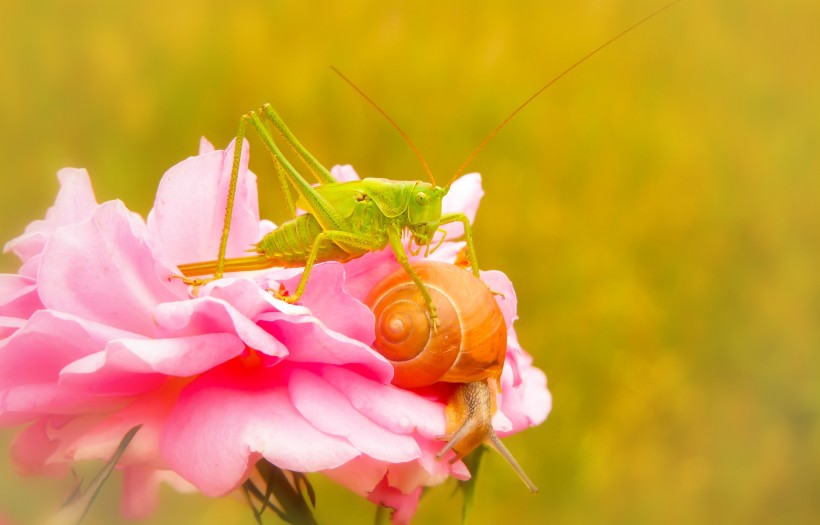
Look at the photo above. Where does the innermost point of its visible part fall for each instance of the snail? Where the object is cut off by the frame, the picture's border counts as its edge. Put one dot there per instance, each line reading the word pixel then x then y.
pixel 467 348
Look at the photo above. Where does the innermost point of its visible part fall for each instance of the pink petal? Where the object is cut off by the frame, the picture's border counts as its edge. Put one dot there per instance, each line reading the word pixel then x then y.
pixel 327 299
pixel 435 470
pixel 344 173
pixel 133 366
pixel 9 325
pixel 405 505
pixel 189 210
pixel 399 411
pixel 311 340
pixel 209 315
pixel 330 411
pixel 75 202
pixel 205 146
pixel 507 301
pixel 360 474
pixel 464 196
pixel 226 419
pixel 139 492
pixel 96 436
pixel 528 403
pixel 363 273
pixel 104 271
pixel 140 487
pixel 52 340
pixel 32 448
pixel 18 296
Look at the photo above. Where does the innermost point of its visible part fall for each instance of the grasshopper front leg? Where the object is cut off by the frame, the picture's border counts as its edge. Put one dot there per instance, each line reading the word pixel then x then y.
pixel 394 237
pixel 468 237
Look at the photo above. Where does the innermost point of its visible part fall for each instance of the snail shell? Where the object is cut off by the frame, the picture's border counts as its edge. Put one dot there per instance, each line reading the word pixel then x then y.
pixel 470 343
pixel 468 348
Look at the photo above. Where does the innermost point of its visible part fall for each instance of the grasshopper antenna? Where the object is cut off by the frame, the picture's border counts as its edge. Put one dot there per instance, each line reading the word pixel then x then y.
pixel 553 81
pixel 391 121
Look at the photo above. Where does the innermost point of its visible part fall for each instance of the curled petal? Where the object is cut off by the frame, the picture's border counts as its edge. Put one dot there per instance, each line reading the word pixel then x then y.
pixel 397 410
pixel 103 270
pixel 464 196
pixel 331 412
pixel 215 449
pixel 208 315
pixel 528 403
pixel 327 299
pixel 188 216
pixel 404 505
pixel 32 448
pixel 134 366
pixel 140 485
pixel 18 296
pixel 75 202
pixel 507 301
pixel 344 173
pixel 52 340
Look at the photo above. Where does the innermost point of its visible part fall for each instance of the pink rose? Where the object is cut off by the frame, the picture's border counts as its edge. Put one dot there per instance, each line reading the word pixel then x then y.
pixel 96 339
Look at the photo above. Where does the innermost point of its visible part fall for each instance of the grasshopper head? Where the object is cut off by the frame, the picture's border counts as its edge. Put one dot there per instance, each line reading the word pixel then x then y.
pixel 424 211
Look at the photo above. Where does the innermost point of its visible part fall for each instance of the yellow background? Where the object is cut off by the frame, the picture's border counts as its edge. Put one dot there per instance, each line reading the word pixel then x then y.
pixel 657 211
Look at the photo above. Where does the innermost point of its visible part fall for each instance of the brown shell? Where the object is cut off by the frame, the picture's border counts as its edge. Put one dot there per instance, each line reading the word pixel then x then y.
pixel 471 341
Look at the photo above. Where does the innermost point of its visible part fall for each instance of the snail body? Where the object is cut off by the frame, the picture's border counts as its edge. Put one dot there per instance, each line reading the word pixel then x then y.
pixel 467 348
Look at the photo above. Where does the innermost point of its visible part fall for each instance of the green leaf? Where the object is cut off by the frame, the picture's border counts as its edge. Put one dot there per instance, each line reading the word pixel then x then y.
pixel 76 506
pixel 285 495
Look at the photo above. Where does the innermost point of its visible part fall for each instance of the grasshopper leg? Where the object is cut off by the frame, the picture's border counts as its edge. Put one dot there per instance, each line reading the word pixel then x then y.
pixel 394 236
pixel 339 237
pixel 320 172
pixel 468 237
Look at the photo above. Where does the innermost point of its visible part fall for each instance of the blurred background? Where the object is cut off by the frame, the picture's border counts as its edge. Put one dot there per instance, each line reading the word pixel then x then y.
pixel 657 210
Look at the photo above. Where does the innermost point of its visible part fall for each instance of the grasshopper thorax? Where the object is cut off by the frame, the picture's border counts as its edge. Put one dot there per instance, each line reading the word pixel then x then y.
pixel 424 211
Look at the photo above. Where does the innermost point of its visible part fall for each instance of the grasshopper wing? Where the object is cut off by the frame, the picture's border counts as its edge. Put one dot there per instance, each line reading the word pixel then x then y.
pixel 390 196
pixel 343 196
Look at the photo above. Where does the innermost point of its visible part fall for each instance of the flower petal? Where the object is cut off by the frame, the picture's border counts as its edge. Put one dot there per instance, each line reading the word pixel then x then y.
pixel 52 340
pixel 134 366
pixel 189 210
pixel 395 409
pixel 18 296
pixel 103 270
pixel 404 505
pixel 75 202
pixel 209 315
pixel 339 310
pixel 330 411
pixel 214 449
pixel 507 301
pixel 344 173
pixel 528 403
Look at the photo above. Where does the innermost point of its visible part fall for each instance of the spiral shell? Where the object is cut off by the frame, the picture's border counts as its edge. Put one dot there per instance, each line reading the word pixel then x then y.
pixel 470 343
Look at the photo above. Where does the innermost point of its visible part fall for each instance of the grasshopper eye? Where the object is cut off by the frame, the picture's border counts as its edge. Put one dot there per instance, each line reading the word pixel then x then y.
pixel 422 198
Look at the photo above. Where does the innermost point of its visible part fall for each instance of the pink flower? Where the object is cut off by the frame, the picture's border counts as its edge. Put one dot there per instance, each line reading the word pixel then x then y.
pixel 97 339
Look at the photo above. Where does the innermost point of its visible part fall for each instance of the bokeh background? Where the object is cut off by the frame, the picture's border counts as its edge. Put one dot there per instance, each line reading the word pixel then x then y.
pixel 657 210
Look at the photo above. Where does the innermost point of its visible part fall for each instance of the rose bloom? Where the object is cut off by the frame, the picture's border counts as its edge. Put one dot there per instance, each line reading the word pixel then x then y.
pixel 98 338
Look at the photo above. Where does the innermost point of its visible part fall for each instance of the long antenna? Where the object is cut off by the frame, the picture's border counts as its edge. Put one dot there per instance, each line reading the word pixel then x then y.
pixel 553 81
pixel 391 121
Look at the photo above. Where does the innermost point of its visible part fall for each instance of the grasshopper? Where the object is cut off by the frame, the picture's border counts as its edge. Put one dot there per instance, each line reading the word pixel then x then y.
pixel 346 220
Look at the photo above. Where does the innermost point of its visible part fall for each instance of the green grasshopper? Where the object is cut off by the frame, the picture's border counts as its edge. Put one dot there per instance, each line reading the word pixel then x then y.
pixel 346 220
